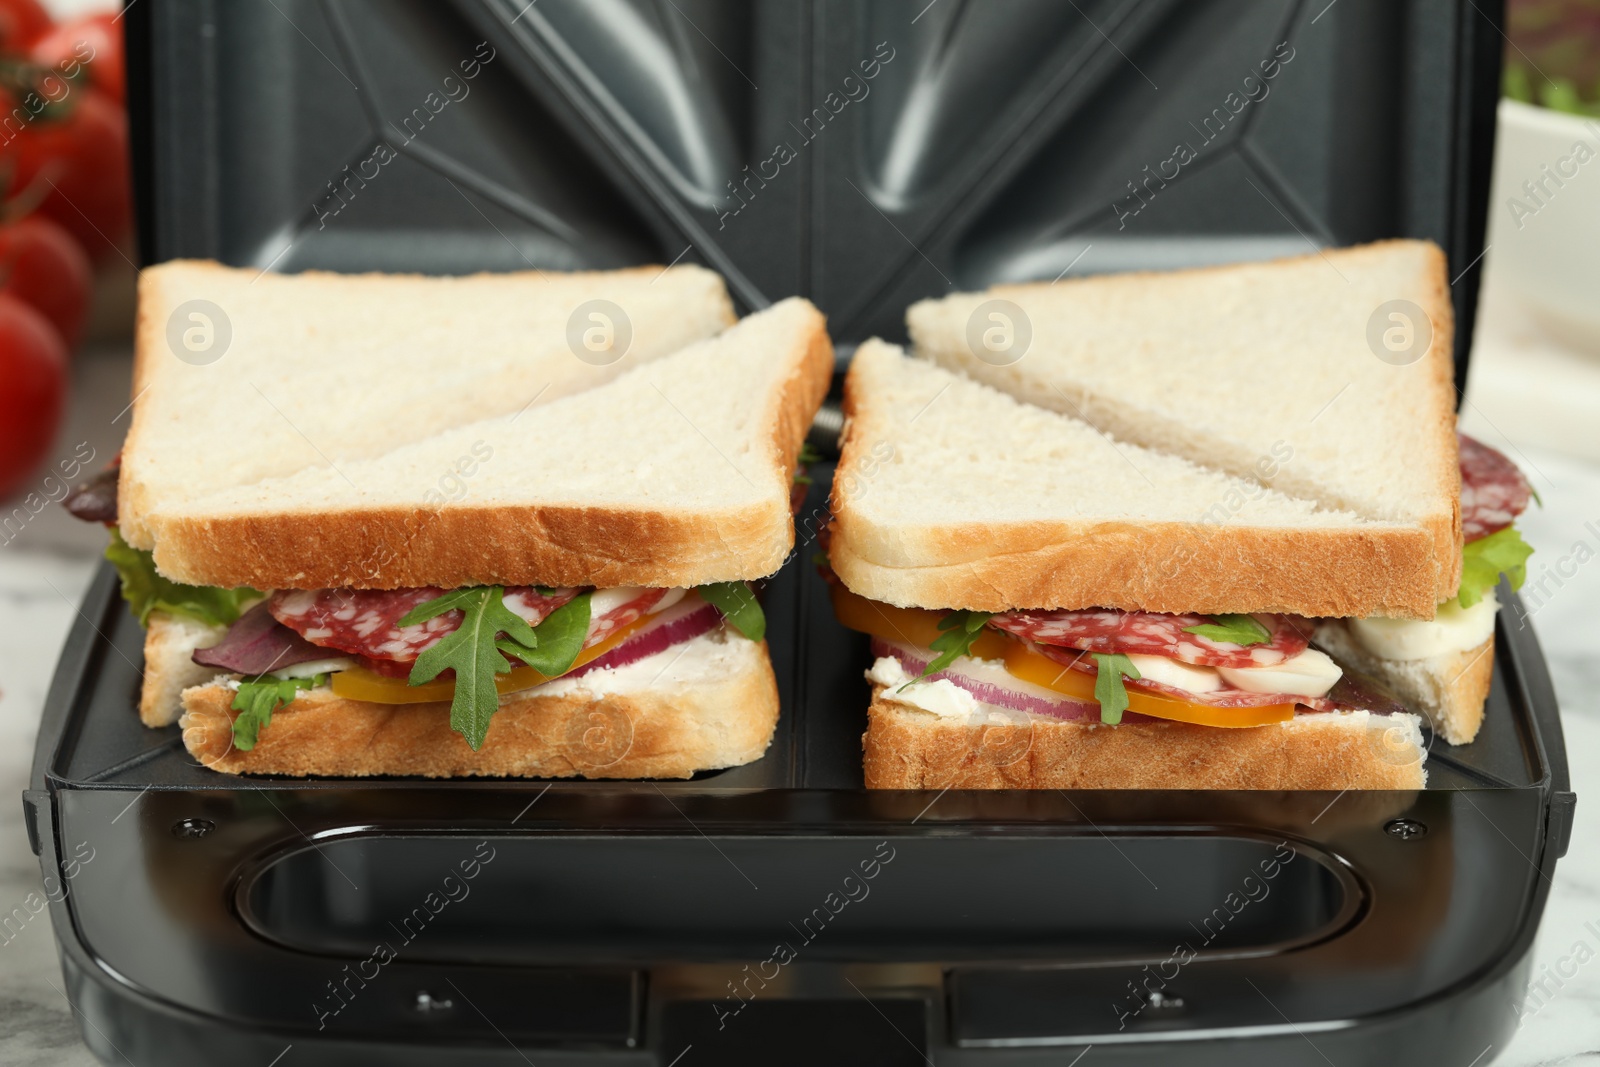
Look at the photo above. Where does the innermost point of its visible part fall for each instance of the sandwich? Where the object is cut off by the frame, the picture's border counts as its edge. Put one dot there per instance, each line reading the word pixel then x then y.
pixel 1104 564
pixel 1443 666
pixel 497 525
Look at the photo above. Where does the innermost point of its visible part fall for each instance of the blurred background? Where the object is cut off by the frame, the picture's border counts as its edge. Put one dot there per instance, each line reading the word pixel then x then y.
pixel 1536 361
pixel 66 249
pixel 1554 58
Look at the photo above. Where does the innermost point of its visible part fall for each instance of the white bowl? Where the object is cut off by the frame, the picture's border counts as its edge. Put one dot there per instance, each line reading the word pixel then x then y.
pixel 1544 218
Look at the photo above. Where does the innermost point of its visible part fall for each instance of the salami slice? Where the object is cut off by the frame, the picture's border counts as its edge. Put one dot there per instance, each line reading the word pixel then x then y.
pixel 612 609
pixel 1217 698
pixel 366 622
pixel 1152 634
pixel 1493 491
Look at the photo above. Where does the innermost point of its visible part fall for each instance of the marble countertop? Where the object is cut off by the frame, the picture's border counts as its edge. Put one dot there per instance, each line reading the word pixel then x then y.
pixel 44 572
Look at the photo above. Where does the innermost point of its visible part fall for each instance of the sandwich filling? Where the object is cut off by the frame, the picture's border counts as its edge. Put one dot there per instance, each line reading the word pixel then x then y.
pixel 1494 492
pixel 1105 665
pixel 473 647
pixel 469 647
pixel 1216 670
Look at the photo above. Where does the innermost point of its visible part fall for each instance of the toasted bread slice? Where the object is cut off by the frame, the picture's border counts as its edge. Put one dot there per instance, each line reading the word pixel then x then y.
pixel 1450 689
pixel 911 749
pixel 676 474
pixel 241 376
pixel 1269 371
pixel 709 703
pixel 951 494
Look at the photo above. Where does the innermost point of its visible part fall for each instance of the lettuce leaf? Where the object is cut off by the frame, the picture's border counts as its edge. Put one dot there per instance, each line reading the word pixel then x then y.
pixel 1483 562
pixel 145 590
pixel 258 698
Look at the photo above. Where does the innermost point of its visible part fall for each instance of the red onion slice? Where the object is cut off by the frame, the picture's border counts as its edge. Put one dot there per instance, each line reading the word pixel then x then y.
pixel 682 622
pixel 1020 696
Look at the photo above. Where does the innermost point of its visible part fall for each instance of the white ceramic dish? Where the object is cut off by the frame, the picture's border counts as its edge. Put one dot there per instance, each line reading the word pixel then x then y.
pixel 1544 218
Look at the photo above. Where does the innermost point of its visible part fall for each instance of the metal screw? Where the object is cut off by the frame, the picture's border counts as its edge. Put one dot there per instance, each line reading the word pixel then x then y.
pixel 427 1002
pixel 191 828
pixel 1405 829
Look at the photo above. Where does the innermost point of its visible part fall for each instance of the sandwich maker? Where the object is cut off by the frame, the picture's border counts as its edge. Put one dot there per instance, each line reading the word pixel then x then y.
pixel 864 154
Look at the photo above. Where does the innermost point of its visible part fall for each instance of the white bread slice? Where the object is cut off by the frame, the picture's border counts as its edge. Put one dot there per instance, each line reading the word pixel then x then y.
pixel 911 749
pixel 708 703
pixel 676 474
pixel 169 645
pixel 328 368
pixel 1225 365
pixel 951 494
pixel 1450 689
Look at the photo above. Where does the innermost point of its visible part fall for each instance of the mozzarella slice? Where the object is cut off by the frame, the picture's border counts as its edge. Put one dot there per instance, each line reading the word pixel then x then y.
pixel 602 601
pixel 671 597
pixel 939 697
pixel 1453 628
pixel 1310 674
pixel 1185 676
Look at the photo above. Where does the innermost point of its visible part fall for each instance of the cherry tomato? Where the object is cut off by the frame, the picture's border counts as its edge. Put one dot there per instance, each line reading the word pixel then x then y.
pixel 22 22
pixel 87 49
pixel 43 266
pixel 33 380
pixel 73 158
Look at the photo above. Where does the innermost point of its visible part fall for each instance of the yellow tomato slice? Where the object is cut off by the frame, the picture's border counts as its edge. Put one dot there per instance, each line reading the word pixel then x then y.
pixel 1030 666
pixel 358 683
pixel 908 626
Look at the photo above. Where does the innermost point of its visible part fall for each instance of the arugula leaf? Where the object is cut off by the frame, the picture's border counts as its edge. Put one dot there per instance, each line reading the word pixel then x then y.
pixel 471 651
pixel 807 457
pixel 465 600
pixel 557 640
pixel 145 590
pixel 1108 687
pixel 739 606
pixel 258 698
pixel 1237 629
pixel 960 630
pixel 1484 560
